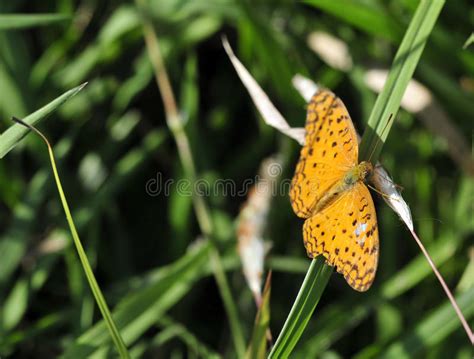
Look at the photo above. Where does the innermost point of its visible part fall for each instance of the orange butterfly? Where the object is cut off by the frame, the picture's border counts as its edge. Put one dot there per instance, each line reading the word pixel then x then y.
pixel 329 189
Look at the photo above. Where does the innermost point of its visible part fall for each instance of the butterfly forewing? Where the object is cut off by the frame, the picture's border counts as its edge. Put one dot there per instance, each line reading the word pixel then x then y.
pixel 330 150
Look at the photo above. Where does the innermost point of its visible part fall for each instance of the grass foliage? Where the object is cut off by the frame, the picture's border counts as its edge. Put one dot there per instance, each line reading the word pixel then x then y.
pixel 175 289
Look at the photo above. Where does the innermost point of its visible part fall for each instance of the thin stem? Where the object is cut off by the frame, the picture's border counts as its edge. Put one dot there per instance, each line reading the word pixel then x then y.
pixel 102 304
pixel 446 289
pixel 174 120
pixel 175 124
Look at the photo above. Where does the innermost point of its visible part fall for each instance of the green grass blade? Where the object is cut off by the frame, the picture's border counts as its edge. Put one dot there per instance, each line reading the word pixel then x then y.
pixel 175 123
pixel 14 98
pixel 15 305
pixel 16 132
pixel 99 297
pixel 288 264
pixel 308 297
pixel 228 300
pixel 173 329
pixel 433 329
pixel 338 324
pixel 14 242
pixel 361 15
pixel 140 310
pixel 258 341
pixel 387 103
pixel 401 72
pixel 24 21
pixel 469 41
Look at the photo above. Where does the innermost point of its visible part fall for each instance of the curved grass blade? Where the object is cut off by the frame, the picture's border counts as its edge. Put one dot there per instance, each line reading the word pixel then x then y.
pixel 24 21
pixel 141 309
pixel 10 138
pixel 102 304
pixel 308 297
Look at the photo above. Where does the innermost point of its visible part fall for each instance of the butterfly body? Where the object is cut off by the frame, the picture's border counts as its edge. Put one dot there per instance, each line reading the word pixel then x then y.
pixel 359 173
pixel 329 191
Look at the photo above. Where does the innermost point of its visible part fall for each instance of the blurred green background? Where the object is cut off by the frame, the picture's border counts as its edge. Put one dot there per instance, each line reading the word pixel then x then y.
pixel 112 138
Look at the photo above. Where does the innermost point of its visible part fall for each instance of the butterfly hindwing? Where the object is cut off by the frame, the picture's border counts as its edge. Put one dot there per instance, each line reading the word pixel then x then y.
pixel 346 234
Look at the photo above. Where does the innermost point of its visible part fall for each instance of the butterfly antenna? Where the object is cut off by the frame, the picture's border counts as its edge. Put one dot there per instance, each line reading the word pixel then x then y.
pixel 384 195
pixel 379 140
